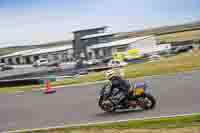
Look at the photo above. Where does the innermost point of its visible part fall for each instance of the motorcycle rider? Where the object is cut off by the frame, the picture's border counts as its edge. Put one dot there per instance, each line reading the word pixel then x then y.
pixel 116 77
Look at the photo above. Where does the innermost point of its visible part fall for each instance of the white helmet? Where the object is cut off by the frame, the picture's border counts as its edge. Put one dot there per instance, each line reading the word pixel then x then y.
pixel 110 74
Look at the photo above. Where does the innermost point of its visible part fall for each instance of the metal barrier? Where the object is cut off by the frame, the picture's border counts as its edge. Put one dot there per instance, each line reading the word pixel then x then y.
pixel 31 81
pixel 18 82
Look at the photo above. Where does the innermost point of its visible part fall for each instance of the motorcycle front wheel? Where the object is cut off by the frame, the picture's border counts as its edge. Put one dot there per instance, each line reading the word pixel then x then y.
pixel 147 101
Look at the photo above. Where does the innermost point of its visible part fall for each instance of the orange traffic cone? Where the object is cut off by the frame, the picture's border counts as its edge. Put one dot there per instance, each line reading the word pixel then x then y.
pixel 49 89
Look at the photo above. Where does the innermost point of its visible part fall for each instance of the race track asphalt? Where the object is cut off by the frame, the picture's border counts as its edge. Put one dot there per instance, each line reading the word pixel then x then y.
pixel 175 94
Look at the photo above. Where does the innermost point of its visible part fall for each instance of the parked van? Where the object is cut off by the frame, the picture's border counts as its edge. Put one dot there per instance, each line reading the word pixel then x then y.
pixel 41 62
pixel 113 63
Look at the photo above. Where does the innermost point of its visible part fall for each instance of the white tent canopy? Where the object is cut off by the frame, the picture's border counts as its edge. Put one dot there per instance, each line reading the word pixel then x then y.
pixel 37 51
pixel 118 43
pixel 96 35
pixel 49 50
pixel 20 53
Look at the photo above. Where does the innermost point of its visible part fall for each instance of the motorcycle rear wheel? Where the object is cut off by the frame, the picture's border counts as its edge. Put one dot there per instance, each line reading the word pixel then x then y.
pixel 107 105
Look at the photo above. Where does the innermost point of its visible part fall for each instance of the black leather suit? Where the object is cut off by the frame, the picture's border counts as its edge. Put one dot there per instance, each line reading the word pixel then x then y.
pixel 122 85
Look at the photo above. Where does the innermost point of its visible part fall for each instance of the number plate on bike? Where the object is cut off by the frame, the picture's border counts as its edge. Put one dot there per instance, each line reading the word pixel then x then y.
pixel 139 91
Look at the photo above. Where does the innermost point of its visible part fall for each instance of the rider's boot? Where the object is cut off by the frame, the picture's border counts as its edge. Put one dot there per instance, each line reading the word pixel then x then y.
pixel 126 103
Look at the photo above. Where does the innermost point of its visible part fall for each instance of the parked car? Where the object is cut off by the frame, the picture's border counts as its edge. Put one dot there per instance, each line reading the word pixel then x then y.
pixel 2 64
pixel 41 62
pixel 113 63
pixel 89 62
pixel 92 62
pixel 106 59
pixel 53 64
pixel 6 67
pixel 181 49
pixel 154 57
pixel 80 63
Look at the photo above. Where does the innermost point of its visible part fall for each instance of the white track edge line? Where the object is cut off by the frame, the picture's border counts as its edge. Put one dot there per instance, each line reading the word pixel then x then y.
pixel 96 123
pixel 103 81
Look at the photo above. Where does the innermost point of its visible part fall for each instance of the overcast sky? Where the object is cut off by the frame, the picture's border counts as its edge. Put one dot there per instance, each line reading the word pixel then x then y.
pixel 23 22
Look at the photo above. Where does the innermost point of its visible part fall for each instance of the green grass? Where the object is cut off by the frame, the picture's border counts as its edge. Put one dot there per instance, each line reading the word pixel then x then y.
pixel 179 36
pixel 166 123
pixel 180 63
pixel 4 51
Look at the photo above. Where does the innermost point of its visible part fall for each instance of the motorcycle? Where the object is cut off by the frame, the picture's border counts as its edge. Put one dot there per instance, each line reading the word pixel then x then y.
pixel 139 96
